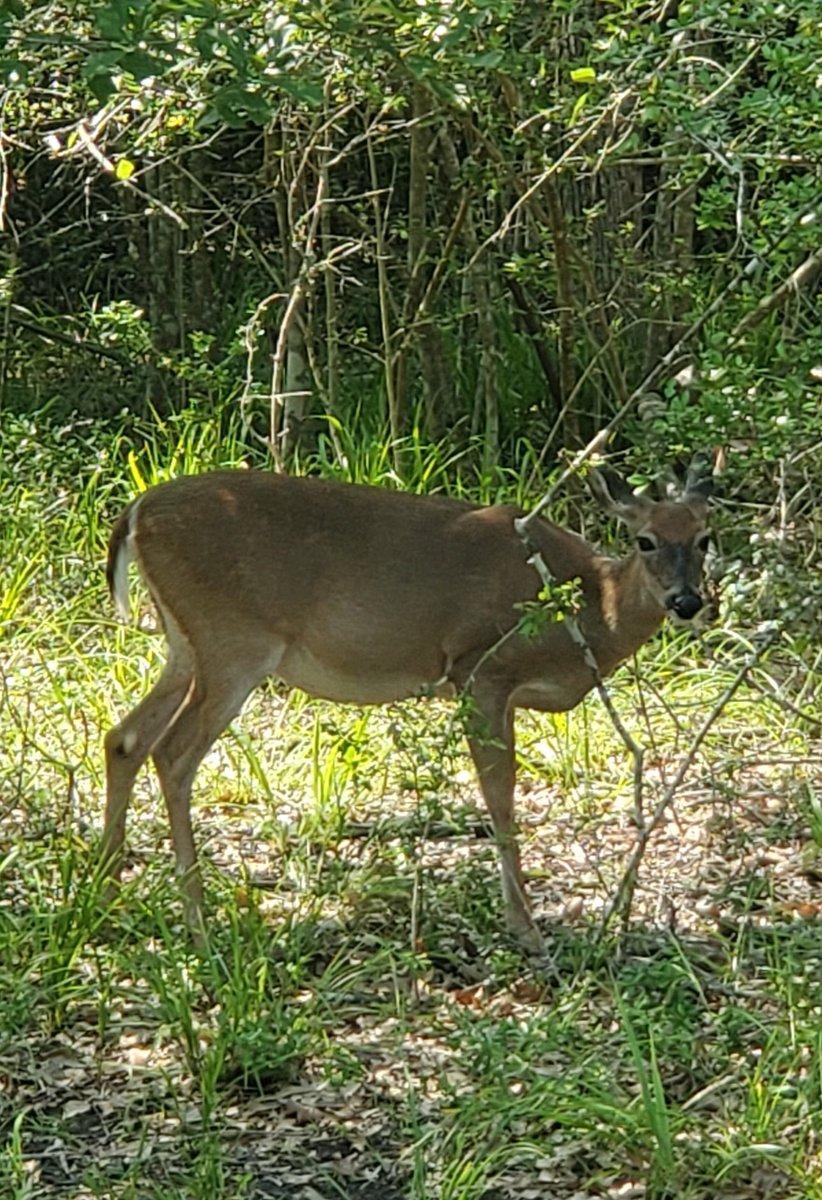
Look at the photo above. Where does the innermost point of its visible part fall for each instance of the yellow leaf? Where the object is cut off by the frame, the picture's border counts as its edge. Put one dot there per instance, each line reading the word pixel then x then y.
pixel 124 169
pixel 135 472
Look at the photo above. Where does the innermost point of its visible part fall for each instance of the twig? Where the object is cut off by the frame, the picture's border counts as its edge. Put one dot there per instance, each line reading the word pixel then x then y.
pixel 249 338
pixel 298 291
pixel 571 624
pixel 597 443
pixel 794 709
pixel 621 902
pixel 601 439
pixel 803 277
pixel 65 339
pixel 383 295
pixel 86 140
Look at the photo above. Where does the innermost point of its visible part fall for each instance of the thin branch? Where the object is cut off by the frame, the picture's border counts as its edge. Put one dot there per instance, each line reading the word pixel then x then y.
pixel 85 139
pixel 572 626
pixel 608 113
pixel 384 295
pixel 621 902
pixel 249 338
pixel 565 298
pixel 731 79
pixel 294 301
pixel 601 439
pixel 803 277
pixel 65 339
pixel 411 320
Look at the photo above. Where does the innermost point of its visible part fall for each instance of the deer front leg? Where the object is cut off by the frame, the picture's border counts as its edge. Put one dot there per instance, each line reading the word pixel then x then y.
pixel 491 741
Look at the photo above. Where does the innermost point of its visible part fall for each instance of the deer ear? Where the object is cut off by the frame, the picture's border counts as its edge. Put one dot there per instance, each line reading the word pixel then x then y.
pixel 616 497
pixel 699 482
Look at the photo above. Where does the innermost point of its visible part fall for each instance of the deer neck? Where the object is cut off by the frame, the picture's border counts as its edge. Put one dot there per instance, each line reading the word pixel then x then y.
pixel 626 613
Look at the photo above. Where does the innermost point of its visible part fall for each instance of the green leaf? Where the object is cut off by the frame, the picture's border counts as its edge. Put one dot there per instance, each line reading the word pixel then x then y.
pixel 306 91
pixel 491 58
pixel 140 65
pixel 7 25
pixel 584 75
pixel 102 87
pixel 205 41
pixel 238 106
pixel 578 107
pixel 112 21
pixel 100 64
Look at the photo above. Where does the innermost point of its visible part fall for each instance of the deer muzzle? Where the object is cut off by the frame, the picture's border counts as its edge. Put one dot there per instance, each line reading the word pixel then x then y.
pixel 685 604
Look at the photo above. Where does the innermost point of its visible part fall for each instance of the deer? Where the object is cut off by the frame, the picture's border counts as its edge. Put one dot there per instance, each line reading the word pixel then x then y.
pixel 357 594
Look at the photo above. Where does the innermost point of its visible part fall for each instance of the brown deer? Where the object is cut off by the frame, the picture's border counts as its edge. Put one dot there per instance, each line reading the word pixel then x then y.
pixel 357 594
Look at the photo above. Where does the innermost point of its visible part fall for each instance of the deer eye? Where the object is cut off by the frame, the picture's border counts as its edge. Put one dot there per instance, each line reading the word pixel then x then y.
pixel 645 545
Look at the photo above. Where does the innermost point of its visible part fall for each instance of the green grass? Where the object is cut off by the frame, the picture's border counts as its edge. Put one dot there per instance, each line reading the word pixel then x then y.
pixel 359 1026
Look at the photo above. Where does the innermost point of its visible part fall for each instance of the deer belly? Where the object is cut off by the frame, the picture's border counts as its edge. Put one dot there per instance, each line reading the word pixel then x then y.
pixel 354 682
pixel 545 696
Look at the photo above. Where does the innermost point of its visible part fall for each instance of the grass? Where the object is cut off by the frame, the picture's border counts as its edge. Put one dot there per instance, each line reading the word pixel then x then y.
pixel 359 1027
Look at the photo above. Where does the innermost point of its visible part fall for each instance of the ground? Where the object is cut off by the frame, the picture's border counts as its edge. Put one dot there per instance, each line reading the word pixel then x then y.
pixel 360 1026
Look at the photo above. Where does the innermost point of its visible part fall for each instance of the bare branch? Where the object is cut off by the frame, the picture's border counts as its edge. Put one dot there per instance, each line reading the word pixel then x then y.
pixel 803 277
pixel 621 902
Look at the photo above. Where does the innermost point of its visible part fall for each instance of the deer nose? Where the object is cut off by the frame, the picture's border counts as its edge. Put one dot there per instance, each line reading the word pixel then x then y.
pixel 685 604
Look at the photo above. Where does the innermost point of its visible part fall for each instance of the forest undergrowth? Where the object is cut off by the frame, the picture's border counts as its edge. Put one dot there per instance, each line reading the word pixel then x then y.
pixel 359 1025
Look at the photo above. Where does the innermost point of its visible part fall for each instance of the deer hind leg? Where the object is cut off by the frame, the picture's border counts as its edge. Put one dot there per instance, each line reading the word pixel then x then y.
pixel 218 693
pixel 128 745
pixel 491 741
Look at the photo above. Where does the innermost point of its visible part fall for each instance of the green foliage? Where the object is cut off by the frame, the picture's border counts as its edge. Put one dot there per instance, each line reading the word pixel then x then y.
pixel 159 233
pixel 556 602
